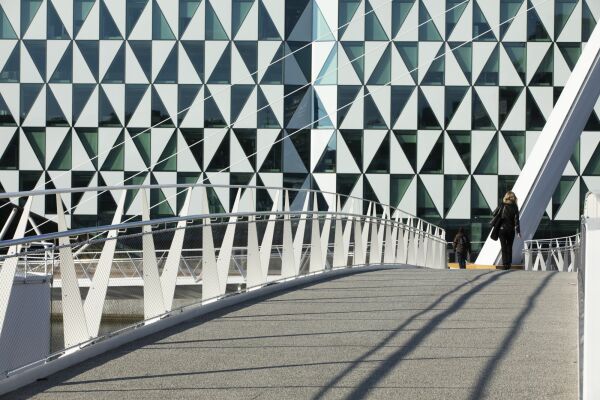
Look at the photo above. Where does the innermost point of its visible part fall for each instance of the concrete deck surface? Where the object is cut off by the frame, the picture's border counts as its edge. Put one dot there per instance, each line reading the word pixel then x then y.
pixel 389 334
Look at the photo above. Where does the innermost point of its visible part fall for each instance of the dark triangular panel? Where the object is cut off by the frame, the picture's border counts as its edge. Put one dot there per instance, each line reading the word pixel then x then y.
pixel 266 27
pixel 488 164
pixel 134 11
pixel 194 139
pixel 11 71
pixel 508 12
pixel 408 143
pixel 562 12
pixel 10 158
pixel 427 118
pixel 81 95
pixel 517 53
pixel 54 114
pixel 453 185
pixel 400 96
pixel 274 73
pixel 116 71
pixel 489 75
pixel 462 143
pixel 508 98
pixel 354 142
pixel 115 160
pixel 373 28
pixel 168 72
pixel 222 72
pixel 544 74
pixel 535 28
pixel 427 29
pixel 346 96
pixel 563 189
pixel 64 70
pixel 534 117
pixel 356 52
pixel 221 160
pixel 516 144
pixel 455 8
pixel 266 117
pixel 168 158
pixel 274 160
pixel 29 94
pixel 425 206
pixel 239 12
pixel 186 96
pixel 195 52
pixel 160 114
pixel 28 11
pixel 321 117
pixel 6 117
pixel 382 74
pixel 62 160
pixel 345 183
pixel 434 163
pixel 400 11
pixel 161 30
pixel 327 161
pixel 143 52
pixel 214 28
pixel 409 52
pixel 399 184
pixel 108 26
pixel 37 140
pixel 107 115
pixel 570 52
pixel 89 140
pixel 37 51
pixel 593 165
pixel 6 29
pixel 481 27
pixel 241 94
pixel 187 10
pixel 480 117
pixel 593 123
pixel 247 140
pixel 381 161
pixel 213 118
pixel 454 98
pixel 372 115
pixel 90 51
pixel 55 29
pixel 295 9
pixel 463 54
pixel 435 73
pixel 133 96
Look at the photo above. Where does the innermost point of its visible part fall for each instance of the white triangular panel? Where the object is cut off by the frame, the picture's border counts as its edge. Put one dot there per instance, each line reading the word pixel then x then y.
pixel 133 70
pixel 480 141
pixel 516 119
pixel 90 30
pixel 196 28
pixel 89 114
pixel 426 140
pixel 408 118
pixel 453 163
pixel 489 96
pixel 142 116
pixel 345 162
pixel 488 184
pixel 507 165
pixel 461 208
pixel 370 146
pixel 434 184
pixel 161 49
pixel 143 27
pixel 461 121
pixel 399 163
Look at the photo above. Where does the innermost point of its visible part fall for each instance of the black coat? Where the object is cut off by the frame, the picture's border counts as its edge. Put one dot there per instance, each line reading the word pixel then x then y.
pixel 510 216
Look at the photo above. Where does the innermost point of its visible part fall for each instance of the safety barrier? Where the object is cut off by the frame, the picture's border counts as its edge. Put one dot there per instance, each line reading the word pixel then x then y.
pixel 220 254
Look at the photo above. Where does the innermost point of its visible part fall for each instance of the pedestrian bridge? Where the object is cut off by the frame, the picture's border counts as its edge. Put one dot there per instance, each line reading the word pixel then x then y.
pixel 319 297
pixel 388 332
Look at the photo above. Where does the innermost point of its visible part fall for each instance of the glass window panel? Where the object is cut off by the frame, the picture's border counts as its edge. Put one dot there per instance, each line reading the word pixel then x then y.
pixel 571 53
pixel 400 10
pixel 453 185
pixel 434 164
pixel 382 75
pixel 427 29
pixel 489 162
pixel 116 71
pixel 160 27
pixel 455 8
pixel 588 23
pixel 90 51
pixel 427 118
pixel 346 10
pixel 169 70
pixel 37 51
pixel 435 74
pixel 81 9
pixel 373 28
pixel 266 26
pixel 187 9
pixel 481 27
pixel 544 74
pixel 409 51
pixel 10 158
pixel 64 70
pixel 327 162
pixel 425 205
pixel 408 142
pixel 489 74
pixel 54 26
pixel 11 71
pixel 508 10
pixel 28 10
pixel 355 52
pixel 462 143
pixel 535 28
pixel 214 28
pixel 399 184
pixel 134 9
pixel 562 12
pixel 516 144
pixel 6 29
pixel 108 27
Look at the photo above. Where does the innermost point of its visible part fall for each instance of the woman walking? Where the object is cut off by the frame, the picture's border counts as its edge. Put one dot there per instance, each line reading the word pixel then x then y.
pixel 462 247
pixel 506 223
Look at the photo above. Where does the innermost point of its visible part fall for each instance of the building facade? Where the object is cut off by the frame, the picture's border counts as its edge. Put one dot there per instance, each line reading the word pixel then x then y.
pixel 428 105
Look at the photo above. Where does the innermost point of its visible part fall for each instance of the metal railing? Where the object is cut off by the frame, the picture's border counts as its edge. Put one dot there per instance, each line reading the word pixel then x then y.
pixel 220 254
pixel 559 254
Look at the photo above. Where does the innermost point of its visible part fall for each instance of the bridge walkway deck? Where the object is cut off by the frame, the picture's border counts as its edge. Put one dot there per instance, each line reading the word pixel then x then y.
pixel 400 333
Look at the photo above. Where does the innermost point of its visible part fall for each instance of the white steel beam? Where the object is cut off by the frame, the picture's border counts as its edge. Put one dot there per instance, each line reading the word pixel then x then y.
pixel 549 157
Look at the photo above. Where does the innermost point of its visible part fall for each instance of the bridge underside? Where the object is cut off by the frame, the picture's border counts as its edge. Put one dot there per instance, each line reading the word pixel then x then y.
pixel 399 333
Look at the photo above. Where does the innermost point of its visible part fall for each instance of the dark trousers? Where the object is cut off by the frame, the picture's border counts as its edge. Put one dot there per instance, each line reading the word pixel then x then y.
pixel 506 237
pixel 461 259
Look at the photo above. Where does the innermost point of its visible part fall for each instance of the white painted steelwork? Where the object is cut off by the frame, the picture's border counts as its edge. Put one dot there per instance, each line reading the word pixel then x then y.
pixel 548 159
pixel 590 352
pixel 559 254
pixel 224 245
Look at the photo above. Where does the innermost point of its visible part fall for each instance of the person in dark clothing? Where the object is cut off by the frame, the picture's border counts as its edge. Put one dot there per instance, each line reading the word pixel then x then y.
pixel 462 247
pixel 509 224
